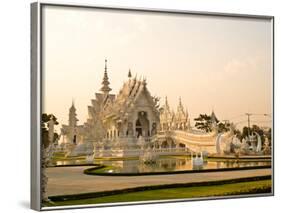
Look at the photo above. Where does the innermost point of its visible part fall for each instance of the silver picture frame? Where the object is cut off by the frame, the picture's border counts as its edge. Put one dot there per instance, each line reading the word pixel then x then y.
pixel 36 98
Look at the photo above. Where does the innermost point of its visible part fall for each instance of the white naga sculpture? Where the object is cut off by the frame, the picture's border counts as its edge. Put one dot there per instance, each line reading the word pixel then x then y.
pixel 259 144
pixel 218 142
pixel 249 145
pixel 224 141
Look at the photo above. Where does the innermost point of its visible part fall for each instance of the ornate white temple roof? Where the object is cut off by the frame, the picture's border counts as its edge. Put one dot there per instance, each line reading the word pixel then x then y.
pixel 181 114
pixel 72 114
pixel 166 115
pixel 123 103
pixel 105 82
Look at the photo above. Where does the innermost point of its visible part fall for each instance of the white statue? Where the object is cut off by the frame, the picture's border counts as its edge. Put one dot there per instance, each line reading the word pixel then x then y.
pixel 236 142
pixel 197 161
pixel 259 144
pixel 244 147
pixel 218 143
pixel 266 149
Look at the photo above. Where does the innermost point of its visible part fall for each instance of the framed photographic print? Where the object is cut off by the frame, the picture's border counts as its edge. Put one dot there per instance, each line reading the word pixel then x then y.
pixel 134 105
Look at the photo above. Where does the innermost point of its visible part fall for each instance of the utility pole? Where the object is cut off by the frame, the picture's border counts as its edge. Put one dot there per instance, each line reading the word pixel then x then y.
pixel 249 115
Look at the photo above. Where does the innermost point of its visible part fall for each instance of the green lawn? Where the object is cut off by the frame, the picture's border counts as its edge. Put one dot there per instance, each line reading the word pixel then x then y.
pixel 61 157
pixel 102 170
pixel 252 187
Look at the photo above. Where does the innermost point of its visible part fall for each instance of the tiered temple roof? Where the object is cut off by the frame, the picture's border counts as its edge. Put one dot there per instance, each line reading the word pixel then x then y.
pixel 171 120
pixel 72 116
pixel 105 82
pixel 167 115
pixel 181 115
pixel 112 115
pixel 127 97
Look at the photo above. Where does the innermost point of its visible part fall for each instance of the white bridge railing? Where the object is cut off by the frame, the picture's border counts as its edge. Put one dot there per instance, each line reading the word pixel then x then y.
pixel 193 141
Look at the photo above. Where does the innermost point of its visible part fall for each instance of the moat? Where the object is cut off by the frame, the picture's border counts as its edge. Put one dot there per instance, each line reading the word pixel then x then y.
pixel 168 164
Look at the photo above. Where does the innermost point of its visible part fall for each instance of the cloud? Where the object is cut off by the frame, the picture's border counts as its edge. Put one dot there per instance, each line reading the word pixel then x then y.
pixel 250 65
pixel 235 66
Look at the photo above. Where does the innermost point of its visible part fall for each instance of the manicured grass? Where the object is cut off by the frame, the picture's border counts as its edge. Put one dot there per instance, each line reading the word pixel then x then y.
pixel 61 157
pixel 101 169
pixel 251 187
pixel 59 154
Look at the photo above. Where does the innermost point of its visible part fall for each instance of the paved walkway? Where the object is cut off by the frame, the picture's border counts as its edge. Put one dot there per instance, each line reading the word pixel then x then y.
pixel 71 180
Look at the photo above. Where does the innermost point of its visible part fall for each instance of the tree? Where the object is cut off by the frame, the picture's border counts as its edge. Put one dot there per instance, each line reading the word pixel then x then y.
pixel 238 134
pixel 245 132
pixel 204 122
pixel 255 128
pixel 45 131
pixel 223 127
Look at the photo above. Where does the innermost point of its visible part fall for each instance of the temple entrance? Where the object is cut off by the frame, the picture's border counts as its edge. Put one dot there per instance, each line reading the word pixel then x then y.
pixel 74 139
pixel 142 125
pixel 138 128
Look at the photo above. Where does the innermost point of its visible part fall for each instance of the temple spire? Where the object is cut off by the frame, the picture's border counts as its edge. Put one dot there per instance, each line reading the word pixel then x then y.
pixel 105 82
pixel 144 83
pixel 129 74
pixel 213 116
pixel 180 104
pixel 72 119
pixel 73 105
pixel 166 101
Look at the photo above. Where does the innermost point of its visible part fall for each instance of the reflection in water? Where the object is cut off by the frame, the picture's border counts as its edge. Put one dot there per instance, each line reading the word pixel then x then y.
pixel 70 162
pixel 167 164
pixel 176 164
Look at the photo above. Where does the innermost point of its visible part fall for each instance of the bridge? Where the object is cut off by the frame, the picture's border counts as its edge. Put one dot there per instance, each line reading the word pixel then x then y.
pixel 195 142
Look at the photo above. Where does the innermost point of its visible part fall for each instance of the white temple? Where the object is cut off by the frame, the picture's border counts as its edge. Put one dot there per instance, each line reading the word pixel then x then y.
pixel 130 122
pixel 133 112
pixel 120 118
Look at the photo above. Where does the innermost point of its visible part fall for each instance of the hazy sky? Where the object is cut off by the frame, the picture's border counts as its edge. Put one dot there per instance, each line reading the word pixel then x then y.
pixel 211 62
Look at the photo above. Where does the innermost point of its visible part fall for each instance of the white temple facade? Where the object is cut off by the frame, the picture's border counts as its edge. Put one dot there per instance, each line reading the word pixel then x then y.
pixel 116 119
pixel 132 122
pixel 133 112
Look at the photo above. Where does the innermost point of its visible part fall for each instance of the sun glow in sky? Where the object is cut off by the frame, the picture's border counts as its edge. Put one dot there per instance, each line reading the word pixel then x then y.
pixel 218 63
